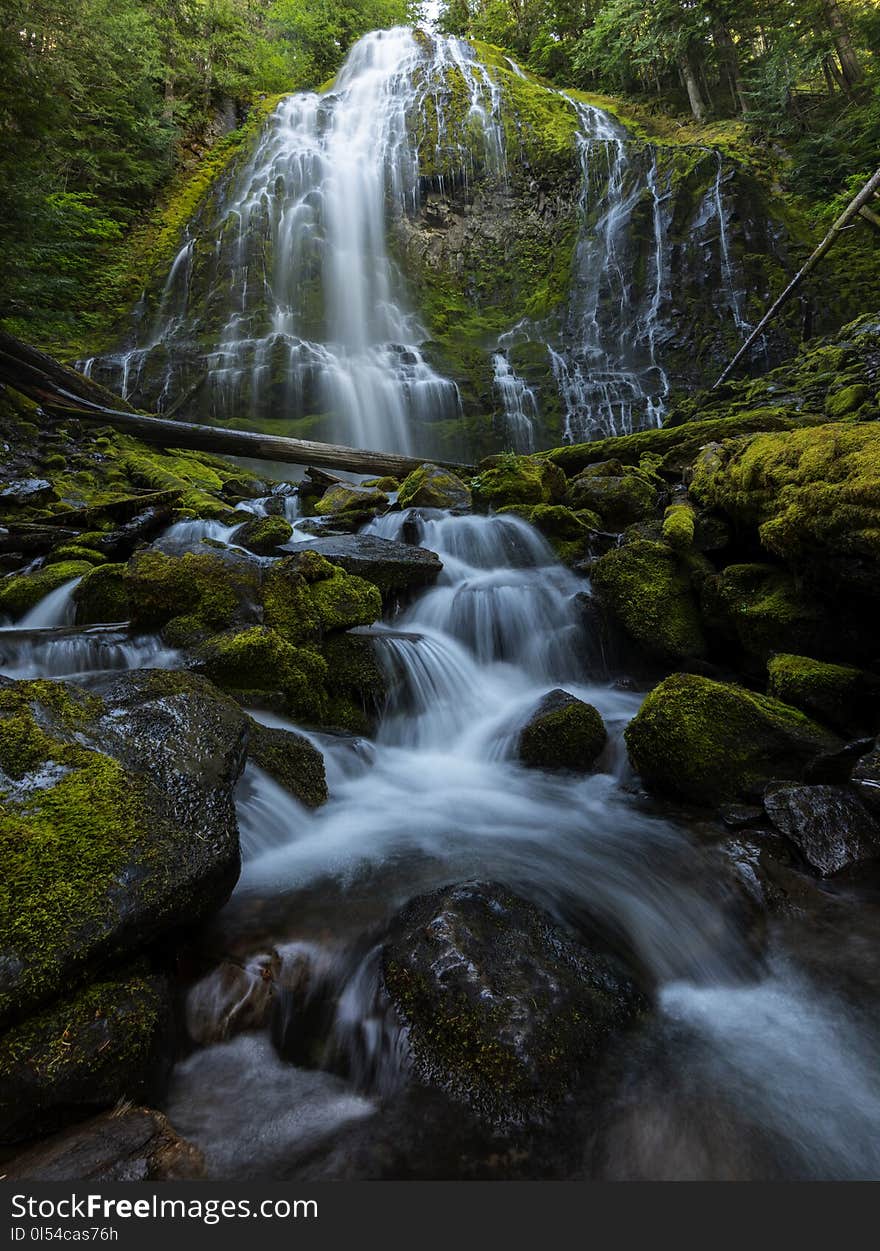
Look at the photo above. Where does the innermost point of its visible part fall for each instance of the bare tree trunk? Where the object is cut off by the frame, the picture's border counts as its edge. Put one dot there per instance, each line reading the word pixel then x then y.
pixel 698 106
pixel 729 60
pixel 849 61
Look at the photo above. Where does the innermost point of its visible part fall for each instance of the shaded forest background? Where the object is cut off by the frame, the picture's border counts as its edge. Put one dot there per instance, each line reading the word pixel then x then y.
pixel 115 113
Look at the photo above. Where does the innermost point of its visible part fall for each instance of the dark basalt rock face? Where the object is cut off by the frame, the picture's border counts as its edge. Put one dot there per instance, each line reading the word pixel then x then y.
pixel 829 825
pixel 393 567
pixel 505 1012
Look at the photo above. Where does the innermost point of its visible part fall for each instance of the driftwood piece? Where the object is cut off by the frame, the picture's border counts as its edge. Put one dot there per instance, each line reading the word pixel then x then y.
pixel 852 210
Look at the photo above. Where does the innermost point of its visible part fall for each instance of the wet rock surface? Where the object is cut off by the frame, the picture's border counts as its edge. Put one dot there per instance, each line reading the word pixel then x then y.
pixel 829 825
pixel 562 733
pixel 504 1011
pixel 393 567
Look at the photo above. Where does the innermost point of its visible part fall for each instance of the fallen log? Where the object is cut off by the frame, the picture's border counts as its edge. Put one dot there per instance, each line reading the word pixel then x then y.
pixel 62 392
pixel 853 209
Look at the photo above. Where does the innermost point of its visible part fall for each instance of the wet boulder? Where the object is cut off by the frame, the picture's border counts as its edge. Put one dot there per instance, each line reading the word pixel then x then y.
pixel 618 501
pixel 83 1053
pixel 192 595
pixel 504 1011
pixel 232 998
pixel 263 535
pixel 562 733
pixel 829 825
pixel 846 698
pixel 509 479
pixel 348 498
pixel 117 822
pixel 649 595
pixel 565 531
pixel 125 1145
pixel 291 760
pixel 431 486
pixel 102 596
pixel 395 568
pixel 712 742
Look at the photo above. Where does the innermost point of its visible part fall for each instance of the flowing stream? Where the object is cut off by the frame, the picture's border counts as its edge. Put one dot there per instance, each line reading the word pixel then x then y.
pixel 751 1067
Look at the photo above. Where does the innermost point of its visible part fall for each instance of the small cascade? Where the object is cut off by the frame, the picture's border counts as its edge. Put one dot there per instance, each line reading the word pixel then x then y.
pixel 519 405
pixel 78 654
pixel 58 608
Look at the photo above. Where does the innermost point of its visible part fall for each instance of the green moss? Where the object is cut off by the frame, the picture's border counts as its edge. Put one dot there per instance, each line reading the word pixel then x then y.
pixel 510 479
pixel 565 531
pixel 619 501
pixel 678 445
pixel 678 527
pixel 813 495
pixel 387 485
pixel 346 499
pixel 23 591
pixel 846 698
pixel 651 597
pixel 62 845
pixel 570 736
pixel 710 742
pixel 291 760
pixel 847 400
pixel 761 607
pixel 73 551
pixel 429 486
pixel 183 473
pixel 102 596
pixel 259 659
pixel 192 595
pixel 263 535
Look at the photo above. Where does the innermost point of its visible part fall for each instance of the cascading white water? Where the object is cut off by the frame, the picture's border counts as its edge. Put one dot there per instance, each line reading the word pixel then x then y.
pixel 519 405
pixel 294 306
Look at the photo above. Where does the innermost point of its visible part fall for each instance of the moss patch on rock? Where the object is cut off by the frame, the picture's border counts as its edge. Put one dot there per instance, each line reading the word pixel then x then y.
pixel 291 760
pixel 846 698
pixel 510 479
pixel 761 608
pixel 564 733
pixel 651 596
pixel 709 742
pixel 430 486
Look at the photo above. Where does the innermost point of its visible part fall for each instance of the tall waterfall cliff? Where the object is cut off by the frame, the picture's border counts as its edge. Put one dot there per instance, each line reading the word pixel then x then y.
pixel 439 254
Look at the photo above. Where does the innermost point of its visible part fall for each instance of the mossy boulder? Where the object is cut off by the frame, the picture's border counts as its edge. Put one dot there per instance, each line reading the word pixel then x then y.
pixel 345 498
pixel 291 760
pixel 88 1051
pixel 619 501
pixel 679 525
pixel 504 1011
pixel 193 595
pixel 649 594
pixel 22 592
pixel 117 822
pixel 846 698
pixel 72 551
pixel 430 486
pixel 847 400
pixel 812 495
pixel 305 596
pixel 761 608
pixel 709 742
pixel 263 535
pixel 102 596
pixel 563 733
pixel 509 479
pixel 260 659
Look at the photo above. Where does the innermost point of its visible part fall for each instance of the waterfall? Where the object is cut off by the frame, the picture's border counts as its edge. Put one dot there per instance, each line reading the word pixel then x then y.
pixel 518 403
pixel 288 297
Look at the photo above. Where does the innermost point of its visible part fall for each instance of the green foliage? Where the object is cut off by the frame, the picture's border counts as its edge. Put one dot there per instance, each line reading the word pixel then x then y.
pixel 320 32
